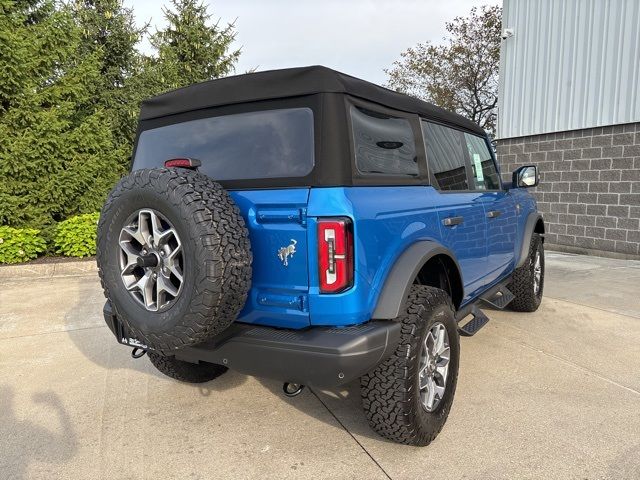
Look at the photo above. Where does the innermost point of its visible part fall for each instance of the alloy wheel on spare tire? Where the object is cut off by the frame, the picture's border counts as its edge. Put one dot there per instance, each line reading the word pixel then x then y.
pixel 174 257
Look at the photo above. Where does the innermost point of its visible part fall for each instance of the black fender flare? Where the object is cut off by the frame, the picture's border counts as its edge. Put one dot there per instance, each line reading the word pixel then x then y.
pixel 529 229
pixel 393 297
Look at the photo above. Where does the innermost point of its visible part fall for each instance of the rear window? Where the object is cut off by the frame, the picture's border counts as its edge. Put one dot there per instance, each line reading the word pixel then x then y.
pixel 383 144
pixel 266 144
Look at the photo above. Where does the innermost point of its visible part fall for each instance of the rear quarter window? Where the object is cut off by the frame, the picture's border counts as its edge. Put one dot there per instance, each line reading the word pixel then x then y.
pixel 264 144
pixel 383 144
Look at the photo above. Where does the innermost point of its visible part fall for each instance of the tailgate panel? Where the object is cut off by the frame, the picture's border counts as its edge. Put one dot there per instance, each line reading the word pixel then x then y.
pixel 276 220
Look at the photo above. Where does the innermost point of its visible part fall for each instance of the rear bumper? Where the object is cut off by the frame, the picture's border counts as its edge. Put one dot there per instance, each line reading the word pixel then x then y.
pixel 318 356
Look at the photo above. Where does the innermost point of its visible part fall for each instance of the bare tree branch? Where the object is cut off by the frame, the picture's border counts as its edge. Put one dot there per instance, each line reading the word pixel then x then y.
pixel 461 74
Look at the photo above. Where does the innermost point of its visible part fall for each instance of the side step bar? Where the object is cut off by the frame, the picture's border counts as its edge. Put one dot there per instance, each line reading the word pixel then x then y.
pixel 498 297
pixel 478 321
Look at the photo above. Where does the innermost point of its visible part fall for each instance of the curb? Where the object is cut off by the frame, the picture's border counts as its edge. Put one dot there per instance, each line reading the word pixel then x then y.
pixel 45 270
pixel 591 252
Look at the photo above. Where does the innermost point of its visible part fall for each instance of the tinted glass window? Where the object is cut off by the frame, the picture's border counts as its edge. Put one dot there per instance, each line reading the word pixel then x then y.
pixel 268 144
pixel 446 156
pixel 383 144
pixel 485 175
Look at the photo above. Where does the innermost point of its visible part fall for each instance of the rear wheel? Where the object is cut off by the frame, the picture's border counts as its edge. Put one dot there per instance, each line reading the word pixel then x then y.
pixel 407 397
pixel 527 283
pixel 185 371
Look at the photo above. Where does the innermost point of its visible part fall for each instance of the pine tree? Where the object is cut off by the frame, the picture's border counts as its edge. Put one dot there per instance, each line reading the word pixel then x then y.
pixel 71 81
pixel 190 49
pixel 109 31
pixel 55 159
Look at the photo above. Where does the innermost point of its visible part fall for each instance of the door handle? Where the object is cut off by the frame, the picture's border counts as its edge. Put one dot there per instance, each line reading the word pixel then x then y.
pixel 494 213
pixel 452 221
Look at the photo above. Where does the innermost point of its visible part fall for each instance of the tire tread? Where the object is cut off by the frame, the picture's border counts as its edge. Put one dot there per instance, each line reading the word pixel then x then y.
pixel 388 396
pixel 521 284
pixel 223 263
pixel 185 371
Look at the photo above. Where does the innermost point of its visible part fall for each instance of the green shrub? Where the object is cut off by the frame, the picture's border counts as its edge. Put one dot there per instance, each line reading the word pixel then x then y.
pixel 20 244
pixel 76 236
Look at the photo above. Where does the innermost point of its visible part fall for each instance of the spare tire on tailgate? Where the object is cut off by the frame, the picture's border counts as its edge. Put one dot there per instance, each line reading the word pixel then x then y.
pixel 173 256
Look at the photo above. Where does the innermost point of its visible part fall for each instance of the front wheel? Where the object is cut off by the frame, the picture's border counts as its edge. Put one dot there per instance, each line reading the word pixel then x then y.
pixel 527 283
pixel 407 397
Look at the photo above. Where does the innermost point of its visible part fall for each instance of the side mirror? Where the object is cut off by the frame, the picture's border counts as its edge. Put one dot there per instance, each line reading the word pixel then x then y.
pixel 526 177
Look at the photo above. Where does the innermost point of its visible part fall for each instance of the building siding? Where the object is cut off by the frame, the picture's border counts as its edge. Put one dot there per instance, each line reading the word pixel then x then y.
pixel 589 190
pixel 571 64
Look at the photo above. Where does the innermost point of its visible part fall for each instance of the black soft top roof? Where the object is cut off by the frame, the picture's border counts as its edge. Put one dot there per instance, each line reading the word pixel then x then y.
pixel 290 82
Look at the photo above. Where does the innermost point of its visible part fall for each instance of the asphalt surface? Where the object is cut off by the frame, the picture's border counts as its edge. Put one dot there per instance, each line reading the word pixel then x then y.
pixel 553 394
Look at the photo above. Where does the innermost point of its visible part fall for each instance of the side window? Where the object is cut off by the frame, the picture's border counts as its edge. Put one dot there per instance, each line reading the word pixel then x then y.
pixel 383 144
pixel 485 175
pixel 446 156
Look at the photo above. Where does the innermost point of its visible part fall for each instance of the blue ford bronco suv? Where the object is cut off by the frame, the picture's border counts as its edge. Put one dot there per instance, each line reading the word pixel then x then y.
pixel 313 228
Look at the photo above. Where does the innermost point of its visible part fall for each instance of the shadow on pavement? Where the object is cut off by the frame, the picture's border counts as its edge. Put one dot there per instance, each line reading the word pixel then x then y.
pixel 226 381
pixel 100 347
pixel 23 441
pixel 344 406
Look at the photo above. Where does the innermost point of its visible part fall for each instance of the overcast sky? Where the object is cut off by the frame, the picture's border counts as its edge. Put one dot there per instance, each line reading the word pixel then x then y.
pixel 359 37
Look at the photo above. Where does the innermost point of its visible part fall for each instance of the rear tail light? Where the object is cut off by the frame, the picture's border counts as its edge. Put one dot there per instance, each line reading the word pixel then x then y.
pixel 335 254
pixel 191 163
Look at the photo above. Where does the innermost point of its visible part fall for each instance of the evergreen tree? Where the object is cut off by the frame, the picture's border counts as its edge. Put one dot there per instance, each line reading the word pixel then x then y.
pixel 55 160
pixel 109 31
pixel 190 49
pixel 71 81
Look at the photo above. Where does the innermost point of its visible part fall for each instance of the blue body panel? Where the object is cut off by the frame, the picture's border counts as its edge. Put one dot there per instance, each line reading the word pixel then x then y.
pixel 276 219
pixel 467 241
pixel 501 234
pixel 386 221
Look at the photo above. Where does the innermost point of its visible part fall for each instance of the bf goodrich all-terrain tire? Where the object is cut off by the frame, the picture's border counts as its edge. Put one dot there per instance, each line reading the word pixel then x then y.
pixel 185 371
pixel 174 257
pixel 527 282
pixel 407 398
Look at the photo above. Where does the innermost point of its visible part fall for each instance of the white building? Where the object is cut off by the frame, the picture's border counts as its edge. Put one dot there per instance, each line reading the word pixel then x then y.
pixel 569 101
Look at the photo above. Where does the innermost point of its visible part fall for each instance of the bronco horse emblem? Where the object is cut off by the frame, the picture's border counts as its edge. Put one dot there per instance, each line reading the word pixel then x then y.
pixel 285 252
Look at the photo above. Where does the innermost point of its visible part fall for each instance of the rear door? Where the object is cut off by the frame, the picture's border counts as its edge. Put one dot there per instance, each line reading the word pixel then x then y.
pixel 460 210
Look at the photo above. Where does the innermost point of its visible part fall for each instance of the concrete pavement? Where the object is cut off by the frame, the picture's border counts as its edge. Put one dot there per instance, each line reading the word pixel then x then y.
pixel 553 394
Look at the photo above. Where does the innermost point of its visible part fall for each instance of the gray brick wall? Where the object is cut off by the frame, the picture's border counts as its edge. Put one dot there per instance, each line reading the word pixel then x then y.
pixel 589 188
